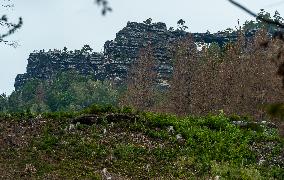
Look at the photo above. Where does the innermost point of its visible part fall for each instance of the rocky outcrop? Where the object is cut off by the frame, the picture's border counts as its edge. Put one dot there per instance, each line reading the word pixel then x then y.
pixel 118 54
pixel 124 49
pixel 44 65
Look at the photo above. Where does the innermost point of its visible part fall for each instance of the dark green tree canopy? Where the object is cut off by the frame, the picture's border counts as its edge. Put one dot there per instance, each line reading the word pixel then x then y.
pixel 181 25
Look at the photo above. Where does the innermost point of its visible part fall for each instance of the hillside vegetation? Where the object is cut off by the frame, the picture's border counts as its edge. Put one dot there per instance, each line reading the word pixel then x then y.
pixel 209 112
pixel 111 143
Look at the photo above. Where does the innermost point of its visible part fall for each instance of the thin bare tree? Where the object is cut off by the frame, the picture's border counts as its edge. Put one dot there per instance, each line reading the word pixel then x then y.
pixel 141 82
pixel 185 57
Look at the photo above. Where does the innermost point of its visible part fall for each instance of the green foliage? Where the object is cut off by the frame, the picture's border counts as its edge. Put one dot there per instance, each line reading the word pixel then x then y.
pixel 214 51
pixel 276 110
pixel 100 109
pixel 67 91
pixel 3 102
pixel 48 142
pixel 195 147
pixel 128 152
pixel 259 24
pixel 60 115
pixel 181 25
pixel 228 171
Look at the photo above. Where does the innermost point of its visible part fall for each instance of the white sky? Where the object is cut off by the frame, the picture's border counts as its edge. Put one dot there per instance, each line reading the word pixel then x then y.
pixel 50 24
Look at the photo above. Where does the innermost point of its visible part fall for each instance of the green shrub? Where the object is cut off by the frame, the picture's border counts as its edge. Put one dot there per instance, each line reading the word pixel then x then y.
pixel 227 171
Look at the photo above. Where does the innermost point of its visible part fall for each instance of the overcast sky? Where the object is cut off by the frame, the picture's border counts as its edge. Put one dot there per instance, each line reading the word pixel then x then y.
pixel 50 24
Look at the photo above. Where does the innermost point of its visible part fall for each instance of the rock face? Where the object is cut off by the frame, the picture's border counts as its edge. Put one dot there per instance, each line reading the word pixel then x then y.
pixel 118 54
pixel 124 49
pixel 44 65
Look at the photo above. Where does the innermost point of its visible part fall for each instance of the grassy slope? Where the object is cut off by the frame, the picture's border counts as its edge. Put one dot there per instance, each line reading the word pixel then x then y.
pixel 124 145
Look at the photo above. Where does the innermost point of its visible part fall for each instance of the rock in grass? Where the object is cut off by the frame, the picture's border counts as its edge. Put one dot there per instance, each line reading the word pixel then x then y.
pixel 87 119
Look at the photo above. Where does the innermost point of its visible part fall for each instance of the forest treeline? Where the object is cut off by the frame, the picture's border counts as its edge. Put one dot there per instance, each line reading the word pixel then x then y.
pixel 241 77
pixel 238 78
pixel 67 91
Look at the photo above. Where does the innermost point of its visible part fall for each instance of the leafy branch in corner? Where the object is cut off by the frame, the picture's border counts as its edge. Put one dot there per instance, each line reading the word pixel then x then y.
pixel 261 18
pixel 105 6
pixel 9 28
pixel 276 110
pixel 12 28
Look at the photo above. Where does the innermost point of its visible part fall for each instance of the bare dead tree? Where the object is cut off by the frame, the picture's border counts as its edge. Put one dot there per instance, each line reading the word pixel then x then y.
pixel 141 82
pixel 184 62
pixel 276 54
pixel 241 83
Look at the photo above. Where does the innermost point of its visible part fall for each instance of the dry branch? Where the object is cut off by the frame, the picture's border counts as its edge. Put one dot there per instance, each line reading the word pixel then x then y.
pixel 268 21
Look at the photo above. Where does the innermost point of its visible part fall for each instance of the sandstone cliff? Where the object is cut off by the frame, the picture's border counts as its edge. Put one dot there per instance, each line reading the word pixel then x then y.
pixel 118 54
